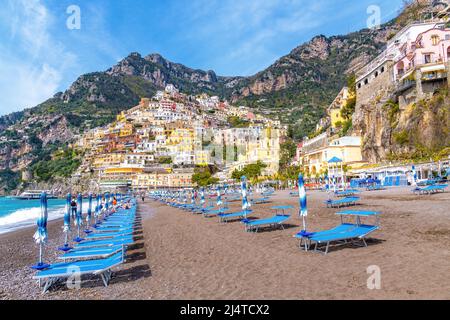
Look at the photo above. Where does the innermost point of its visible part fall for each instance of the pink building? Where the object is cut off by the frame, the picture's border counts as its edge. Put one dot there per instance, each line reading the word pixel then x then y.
pixel 430 51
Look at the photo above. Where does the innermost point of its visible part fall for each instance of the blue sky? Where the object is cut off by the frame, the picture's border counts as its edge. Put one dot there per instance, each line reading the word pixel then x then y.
pixel 40 56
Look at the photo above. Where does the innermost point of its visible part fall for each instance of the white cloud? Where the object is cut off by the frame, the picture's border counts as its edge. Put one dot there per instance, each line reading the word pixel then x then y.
pixel 32 62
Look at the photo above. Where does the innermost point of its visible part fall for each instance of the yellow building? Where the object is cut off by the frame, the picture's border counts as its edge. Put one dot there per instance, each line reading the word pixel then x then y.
pixel 122 117
pixel 108 160
pixel 120 173
pixel 126 130
pixel 317 152
pixel 153 180
pixel 334 110
pixel 202 157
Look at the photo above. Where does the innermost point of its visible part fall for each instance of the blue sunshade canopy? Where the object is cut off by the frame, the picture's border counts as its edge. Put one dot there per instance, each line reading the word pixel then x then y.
pixel 335 160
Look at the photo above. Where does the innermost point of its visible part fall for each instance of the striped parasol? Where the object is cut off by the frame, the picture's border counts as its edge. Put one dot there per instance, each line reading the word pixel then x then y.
pixel 302 200
pixel 97 208
pixel 89 214
pixel 41 235
pixel 219 196
pixel 79 217
pixel 414 172
pixel 245 203
pixel 107 202
pixel 303 211
pixel 202 196
pixel 66 227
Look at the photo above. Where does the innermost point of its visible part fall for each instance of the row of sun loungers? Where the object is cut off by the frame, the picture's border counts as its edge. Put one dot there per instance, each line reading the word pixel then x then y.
pixel 98 254
pixel 345 233
pixel 431 189
pixel 376 187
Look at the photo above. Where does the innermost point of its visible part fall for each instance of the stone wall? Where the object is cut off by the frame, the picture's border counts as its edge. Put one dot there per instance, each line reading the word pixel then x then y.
pixel 375 85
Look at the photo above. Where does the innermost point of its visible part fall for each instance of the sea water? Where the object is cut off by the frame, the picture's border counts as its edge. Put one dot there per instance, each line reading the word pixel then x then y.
pixel 16 214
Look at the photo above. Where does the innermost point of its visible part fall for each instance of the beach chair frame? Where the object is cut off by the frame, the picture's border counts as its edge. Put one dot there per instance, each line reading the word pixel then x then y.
pixel 105 275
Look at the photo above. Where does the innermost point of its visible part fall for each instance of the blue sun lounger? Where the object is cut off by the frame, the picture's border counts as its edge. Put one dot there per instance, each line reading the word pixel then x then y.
pixel 224 217
pixel 431 189
pixel 261 200
pixel 105 235
pixel 214 213
pixel 200 209
pixel 116 241
pixel 346 193
pixel 62 271
pixel 255 225
pixel 91 253
pixel 344 233
pixel 348 201
pixel 376 187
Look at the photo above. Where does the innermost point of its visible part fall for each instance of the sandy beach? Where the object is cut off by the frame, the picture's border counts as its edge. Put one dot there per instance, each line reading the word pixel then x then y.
pixel 179 255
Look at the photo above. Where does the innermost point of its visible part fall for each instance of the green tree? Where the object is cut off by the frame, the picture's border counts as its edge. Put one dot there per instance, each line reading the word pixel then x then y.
pixel 252 171
pixel 348 110
pixel 203 176
pixel 287 152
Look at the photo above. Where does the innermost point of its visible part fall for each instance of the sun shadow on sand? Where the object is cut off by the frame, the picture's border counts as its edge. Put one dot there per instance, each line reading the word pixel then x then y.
pixel 136 256
pixel 272 229
pixel 132 274
pixel 338 247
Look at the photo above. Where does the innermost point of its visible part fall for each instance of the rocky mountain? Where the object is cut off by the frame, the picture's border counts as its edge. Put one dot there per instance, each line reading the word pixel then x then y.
pixel 296 89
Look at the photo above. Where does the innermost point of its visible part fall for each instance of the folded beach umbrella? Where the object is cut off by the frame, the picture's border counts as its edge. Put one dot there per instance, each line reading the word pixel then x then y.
pixel 107 201
pixel 66 228
pixel 302 200
pixel 414 172
pixel 245 203
pixel 202 196
pixel 89 215
pixel 67 214
pixel 219 196
pixel 41 235
pixel 303 212
pixel 79 217
pixel 97 208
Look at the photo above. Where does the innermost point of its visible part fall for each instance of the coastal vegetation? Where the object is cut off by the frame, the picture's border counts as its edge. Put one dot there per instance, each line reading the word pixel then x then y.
pixel 252 171
pixel 62 164
pixel 9 180
pixel 203 176
pixel 237 122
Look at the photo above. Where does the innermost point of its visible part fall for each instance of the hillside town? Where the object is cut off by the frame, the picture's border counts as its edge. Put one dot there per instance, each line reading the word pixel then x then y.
pixel 161 141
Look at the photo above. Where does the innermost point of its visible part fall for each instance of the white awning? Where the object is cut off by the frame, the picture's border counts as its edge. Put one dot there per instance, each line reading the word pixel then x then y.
pixel 438 67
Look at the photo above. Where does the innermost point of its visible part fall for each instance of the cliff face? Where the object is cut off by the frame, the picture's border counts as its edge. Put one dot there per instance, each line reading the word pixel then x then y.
pixel 419 130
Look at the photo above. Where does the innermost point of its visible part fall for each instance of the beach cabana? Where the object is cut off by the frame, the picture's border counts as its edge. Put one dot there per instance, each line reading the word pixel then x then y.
pixel 336 170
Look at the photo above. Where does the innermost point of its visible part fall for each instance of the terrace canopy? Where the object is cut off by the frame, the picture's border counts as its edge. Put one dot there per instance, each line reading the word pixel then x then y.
pixel 335 170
